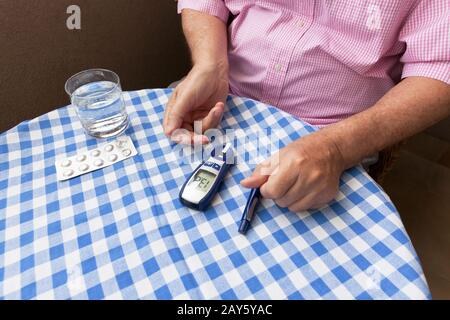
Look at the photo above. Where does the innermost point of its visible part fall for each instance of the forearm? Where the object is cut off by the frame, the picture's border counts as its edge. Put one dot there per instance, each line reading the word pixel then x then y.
pixel 206 36
pixel 413 105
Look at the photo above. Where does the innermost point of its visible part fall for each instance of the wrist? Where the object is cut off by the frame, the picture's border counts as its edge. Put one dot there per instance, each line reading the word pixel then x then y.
pixel 218 66
pixel 329 148
pixel 336 152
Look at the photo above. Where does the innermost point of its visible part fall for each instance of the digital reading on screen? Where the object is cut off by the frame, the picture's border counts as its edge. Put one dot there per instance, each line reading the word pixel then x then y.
pixel 204 180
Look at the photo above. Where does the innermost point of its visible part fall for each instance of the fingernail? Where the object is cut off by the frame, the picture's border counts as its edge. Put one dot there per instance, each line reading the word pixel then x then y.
pixel 167 132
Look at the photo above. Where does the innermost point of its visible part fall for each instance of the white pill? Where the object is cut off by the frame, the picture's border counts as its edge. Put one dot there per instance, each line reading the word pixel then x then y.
pixel 68 173
pixel 112 157
pixel 66 163
pixel 126 152
pixel 83 167
pixel 98 162
pixel 81 158
pixel 109 147
pixel 95 153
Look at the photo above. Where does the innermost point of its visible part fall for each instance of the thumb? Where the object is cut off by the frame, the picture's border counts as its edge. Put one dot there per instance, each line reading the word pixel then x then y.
pixel 254 181
pixel 259 176
pixel 176 109
pixel 214 117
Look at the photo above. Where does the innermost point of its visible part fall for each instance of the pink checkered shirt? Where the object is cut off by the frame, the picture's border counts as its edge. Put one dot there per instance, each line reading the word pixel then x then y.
pixel 325 60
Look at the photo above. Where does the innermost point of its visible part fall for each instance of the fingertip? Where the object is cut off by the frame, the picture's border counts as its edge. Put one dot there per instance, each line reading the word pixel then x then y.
pixel 205 140
pixel 168 132
pixel 244 183
pixel 173 118
pixel 199 139
pixel 181 138
pixel 250 182
pixel 171 126
pixel 220 105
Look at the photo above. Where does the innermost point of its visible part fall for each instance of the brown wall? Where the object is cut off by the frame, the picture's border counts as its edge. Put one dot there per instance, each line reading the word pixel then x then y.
pixel 139 39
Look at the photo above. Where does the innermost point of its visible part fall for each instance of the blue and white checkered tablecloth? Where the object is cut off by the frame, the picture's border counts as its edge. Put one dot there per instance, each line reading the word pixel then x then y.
pixel 121 232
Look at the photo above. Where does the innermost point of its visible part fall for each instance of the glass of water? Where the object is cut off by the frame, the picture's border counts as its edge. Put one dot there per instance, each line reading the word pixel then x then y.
pixel 97 96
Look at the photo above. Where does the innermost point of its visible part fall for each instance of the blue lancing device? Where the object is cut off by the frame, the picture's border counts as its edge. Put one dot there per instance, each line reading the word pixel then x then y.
pixel 202 185
pixel 249 210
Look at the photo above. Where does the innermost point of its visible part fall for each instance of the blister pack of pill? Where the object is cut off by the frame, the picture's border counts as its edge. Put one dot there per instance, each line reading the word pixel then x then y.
pixel 90 160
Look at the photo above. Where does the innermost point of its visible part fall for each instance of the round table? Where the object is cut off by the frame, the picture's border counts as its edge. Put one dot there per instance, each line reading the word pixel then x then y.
pixel 122 233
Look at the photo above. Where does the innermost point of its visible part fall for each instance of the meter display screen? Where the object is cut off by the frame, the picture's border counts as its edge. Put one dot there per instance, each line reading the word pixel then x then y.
pixel 203 180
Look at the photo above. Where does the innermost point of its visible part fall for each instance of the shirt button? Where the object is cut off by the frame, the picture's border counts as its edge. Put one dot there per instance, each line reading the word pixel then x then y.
pixel 278 67
pixel 300 24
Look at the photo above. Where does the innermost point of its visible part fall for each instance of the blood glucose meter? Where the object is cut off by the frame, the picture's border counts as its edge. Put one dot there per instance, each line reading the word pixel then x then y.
pixel 202 185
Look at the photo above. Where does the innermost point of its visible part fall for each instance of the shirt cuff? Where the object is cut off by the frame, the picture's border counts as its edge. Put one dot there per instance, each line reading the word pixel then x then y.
pixel 436 70
pixel 215 8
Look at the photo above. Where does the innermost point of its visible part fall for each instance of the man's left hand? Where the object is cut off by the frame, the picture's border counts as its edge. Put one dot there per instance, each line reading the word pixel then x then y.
pixel 303 175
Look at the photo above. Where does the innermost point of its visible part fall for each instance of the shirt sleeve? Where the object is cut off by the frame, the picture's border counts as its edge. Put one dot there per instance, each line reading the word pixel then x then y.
pixel 426 33
pixel 215 8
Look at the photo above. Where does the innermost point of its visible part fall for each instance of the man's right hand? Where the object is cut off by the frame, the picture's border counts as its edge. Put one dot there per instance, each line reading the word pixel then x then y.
pixel 200 96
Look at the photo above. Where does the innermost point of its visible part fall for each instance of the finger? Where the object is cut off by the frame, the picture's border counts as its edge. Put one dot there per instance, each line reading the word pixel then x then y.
pixel 182 135
pixel 194 138
pixel 262 172
pixel 176 109
pixel 294 194
pixel 306 203
pixel 214 117
pixel 279 182
pixel 168 109
pixel 254 181
pixel 199 139
pixel 196 115
pixel 186 136
pixel 208 121
pixel 259 175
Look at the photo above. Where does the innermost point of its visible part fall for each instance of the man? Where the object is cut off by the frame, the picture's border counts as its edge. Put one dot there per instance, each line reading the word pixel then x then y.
pixel 335 64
